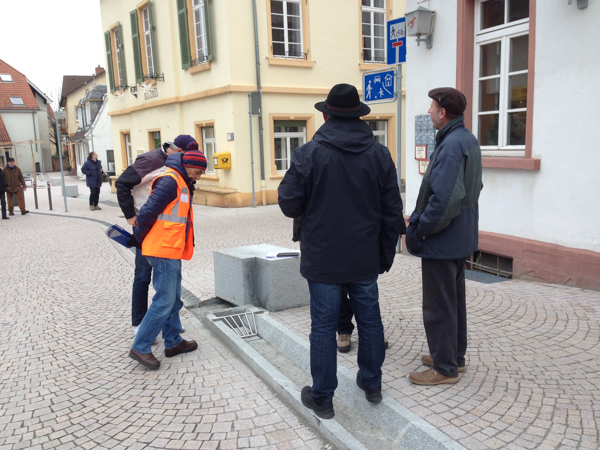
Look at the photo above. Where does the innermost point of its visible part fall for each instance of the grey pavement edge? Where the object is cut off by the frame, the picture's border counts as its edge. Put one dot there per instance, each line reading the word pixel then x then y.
pixel 405 428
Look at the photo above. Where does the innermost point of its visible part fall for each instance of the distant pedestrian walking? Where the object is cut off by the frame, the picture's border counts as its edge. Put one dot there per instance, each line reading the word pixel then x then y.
pixel 344 184
pixel 92 169
pixel 2 197
pixel 15 184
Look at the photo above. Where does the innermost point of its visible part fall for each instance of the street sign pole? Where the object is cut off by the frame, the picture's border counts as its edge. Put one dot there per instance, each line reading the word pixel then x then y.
pixel 61 115
pixel 396 54
pixel 399 141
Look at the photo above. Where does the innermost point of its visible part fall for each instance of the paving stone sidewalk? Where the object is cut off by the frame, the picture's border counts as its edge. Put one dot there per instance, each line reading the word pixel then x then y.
pixel 533 376
pixel 65 378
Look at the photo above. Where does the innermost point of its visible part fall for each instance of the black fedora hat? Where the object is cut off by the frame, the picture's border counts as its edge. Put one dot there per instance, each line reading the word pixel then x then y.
pixel 343 100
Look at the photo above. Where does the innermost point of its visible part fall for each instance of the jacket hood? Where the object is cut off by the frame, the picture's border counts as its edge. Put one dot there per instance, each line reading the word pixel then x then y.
pixel 175 162
pixel 347 135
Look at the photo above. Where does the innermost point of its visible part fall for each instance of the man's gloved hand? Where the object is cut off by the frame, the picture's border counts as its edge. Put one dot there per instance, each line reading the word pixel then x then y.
pixel 133 242
pixel 384 268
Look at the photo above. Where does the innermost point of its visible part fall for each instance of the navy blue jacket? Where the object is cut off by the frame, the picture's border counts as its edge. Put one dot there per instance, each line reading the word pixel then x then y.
pixel 344 184
pixel 93 172
pixel 164 191
pixel 447 211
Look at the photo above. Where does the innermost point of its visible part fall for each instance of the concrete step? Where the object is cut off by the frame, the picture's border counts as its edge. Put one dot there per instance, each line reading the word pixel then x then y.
pixel 282 360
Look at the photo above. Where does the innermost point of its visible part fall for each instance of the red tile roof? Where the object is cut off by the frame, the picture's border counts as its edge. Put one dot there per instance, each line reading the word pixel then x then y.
pixel 19 87
pixel 4 136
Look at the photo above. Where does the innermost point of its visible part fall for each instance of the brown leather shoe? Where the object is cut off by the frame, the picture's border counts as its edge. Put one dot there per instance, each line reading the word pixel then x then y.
pixel 145 359
pixel 183 347
pixel 428 361
pixel 343 343
pixel 431 377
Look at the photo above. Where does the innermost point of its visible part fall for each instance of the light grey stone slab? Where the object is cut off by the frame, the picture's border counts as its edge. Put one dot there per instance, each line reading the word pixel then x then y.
pixel 245 276
pixel 70 190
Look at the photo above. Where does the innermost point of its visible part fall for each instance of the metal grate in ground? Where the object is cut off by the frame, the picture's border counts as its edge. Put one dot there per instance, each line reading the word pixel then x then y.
pixel 482 277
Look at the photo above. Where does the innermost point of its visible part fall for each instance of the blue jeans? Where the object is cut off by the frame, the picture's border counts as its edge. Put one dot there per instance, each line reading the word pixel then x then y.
pixel 325 302
pixel 163 313
pixel 345 325
pixel 139 294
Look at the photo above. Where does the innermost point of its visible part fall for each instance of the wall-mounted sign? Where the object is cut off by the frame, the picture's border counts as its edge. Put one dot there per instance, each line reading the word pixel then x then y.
pixel 420 152
pixel 423 166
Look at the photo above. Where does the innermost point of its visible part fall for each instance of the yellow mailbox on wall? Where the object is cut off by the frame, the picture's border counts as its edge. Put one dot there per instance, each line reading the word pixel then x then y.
pixel 222 160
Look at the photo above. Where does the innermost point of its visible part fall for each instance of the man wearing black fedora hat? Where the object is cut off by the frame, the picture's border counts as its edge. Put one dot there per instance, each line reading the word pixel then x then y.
pixel 344 185
pixel 443 231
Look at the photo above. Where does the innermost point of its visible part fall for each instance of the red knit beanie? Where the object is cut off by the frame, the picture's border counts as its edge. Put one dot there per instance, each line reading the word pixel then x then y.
pixel 194 158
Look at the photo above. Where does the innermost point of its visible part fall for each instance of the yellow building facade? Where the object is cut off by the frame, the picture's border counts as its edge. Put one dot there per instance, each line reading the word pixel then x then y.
pixel 190 66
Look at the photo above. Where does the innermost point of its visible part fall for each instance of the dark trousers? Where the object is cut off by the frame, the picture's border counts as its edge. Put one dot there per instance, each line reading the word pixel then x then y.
pixel 445 313
pixel 3 204
pixel 345 325
pixel 94 195
pixel 139 294
pixel 20 200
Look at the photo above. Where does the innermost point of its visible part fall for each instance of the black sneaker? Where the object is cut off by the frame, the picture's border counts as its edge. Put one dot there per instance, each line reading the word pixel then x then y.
pixel 372 395
pixel 324 411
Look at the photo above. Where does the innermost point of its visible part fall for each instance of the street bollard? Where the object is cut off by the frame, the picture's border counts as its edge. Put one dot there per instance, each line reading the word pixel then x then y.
pixel 35 195
pixel 49 195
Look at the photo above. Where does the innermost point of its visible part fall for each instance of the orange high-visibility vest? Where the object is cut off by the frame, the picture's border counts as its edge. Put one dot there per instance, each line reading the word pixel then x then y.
pixel 167 238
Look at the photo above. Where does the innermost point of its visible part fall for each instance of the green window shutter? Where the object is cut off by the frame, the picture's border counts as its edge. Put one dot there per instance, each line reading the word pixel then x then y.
pixel 109 62
pixel 209 43
pixel 122 54
pixel 184 38
pixel 154 54
pixel 137 56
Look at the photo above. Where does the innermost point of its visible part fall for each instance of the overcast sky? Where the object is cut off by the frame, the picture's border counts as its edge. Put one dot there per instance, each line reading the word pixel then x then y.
pixel 45 40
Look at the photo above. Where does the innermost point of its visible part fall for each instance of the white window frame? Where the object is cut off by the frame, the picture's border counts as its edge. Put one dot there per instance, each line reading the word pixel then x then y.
pixel 6 77
pixel 372 10
pixel 502 33
pixel 286 137
pixel 17 101
pixel 116 42
pixel 286 42
pixel 148 41
pixel 208 148
pixel 130 159
pixel 199 20
pixel 383 132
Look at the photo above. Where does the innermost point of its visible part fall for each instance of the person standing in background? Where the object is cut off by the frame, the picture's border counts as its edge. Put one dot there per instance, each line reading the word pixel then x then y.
pixel 2 191
pixel 15 184
pixel 93 178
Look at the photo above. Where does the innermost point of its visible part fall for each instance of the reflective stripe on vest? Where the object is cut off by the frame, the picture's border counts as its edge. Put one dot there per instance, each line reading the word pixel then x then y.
pixel 174 216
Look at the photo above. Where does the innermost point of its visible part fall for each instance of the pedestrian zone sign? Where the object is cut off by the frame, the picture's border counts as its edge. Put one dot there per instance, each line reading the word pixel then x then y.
pixel 379 86
pixel 396 41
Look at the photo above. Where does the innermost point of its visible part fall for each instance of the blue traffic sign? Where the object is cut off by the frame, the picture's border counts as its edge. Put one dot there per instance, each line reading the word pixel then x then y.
pixel 379 86
pixel 396 41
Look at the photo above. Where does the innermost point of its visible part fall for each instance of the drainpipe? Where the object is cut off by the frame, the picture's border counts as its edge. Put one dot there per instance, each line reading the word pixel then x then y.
pixel 263 186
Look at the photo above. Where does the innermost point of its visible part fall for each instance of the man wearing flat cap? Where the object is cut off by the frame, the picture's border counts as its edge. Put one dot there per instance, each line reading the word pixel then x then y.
pixel 443 231
pixel 344 185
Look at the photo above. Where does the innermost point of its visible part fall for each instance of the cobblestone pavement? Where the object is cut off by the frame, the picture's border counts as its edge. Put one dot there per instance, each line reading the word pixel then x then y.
pixel 65 378
pixel 532 381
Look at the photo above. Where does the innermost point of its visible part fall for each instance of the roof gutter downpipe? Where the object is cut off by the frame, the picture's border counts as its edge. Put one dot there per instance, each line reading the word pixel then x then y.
pixel 260 117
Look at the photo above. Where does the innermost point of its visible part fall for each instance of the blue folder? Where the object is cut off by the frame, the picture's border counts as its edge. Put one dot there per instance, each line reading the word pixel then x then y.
pixel 116 233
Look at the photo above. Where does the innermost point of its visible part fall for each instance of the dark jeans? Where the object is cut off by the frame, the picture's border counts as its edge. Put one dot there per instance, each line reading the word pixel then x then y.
pixel 139 294
pixel 325 302
pixel 445 313
pixel 94 195
pixel 3 204
pixel 164 310
pixel 345 325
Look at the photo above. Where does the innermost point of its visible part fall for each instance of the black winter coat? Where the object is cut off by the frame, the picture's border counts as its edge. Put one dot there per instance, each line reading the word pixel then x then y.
pixel 345 186
pixel 93 172
pixel 2 182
